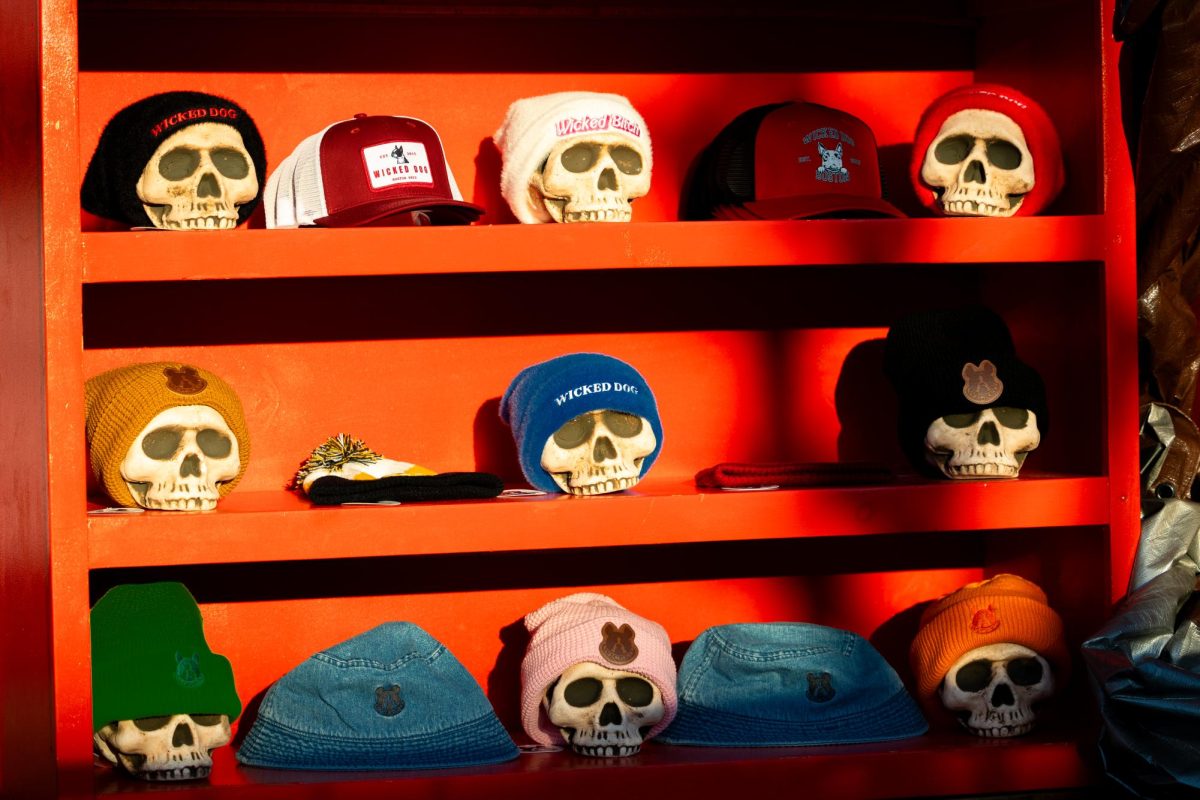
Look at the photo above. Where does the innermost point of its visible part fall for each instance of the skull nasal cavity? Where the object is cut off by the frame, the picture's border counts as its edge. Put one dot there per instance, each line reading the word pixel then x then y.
pixel 988 434
pixel 190 466
pixel 182 735
pixel 604 449
pixel 208 186
pixel 610 714
pixel 1002 696
pixel 608 179
pixel 975 173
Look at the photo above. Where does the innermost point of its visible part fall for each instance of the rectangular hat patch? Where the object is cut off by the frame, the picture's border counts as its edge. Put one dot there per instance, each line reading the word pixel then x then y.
pixel 395 163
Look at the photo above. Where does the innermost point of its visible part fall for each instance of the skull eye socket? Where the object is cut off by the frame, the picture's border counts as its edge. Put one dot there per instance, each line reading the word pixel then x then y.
pixel 575 431
pixel 206 720
pixel 583 692
pixel 1011 417
pixel 635 692
pixel 975 676
pixel 162 443
pixel 230 163
pixel 178 163
pixel 580 157
pixel 213 443
pixel 1025 671
pixel 622 424
pixel 960 420
pixel 151 723
pixel 1004 155
pixel 953 149
pixel 627 159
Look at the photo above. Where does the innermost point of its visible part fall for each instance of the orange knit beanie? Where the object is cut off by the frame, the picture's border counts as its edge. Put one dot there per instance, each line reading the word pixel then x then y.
pixel 1006 608
pixel 121 402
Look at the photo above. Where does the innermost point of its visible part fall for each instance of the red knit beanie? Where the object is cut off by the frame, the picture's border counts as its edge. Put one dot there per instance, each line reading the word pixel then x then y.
pixel 1006 608
pixel 1040 136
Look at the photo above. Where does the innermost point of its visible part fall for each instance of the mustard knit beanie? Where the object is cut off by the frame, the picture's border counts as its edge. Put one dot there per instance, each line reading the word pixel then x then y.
pixel 121 402
pixel 1006 608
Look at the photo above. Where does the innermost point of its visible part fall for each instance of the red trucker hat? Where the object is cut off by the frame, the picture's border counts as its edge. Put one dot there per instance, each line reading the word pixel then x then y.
pixel 790 161
pixel 369 170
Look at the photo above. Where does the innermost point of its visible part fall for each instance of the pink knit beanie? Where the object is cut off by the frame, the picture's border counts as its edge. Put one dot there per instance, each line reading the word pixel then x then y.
pixel 591 627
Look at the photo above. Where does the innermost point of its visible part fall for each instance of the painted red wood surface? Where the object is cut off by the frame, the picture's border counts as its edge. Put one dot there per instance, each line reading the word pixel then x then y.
pixel 761 340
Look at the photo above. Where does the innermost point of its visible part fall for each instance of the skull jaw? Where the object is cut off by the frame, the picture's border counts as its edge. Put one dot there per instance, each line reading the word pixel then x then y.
pixel 593 485
pixel 593 747
pixel 1000 724
pixel 211 217
pixel 564 209
pixel 197 765
pixel 196 497
pixel 971 202
pixel 974 468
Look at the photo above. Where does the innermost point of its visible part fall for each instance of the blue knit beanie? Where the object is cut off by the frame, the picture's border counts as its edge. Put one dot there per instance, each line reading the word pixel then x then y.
pixel 543 397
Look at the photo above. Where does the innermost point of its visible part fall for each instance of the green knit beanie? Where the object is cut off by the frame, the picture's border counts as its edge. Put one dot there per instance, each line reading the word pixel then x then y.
pixel 150 658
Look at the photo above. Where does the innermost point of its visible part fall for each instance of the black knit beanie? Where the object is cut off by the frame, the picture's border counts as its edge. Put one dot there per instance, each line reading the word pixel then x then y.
pixel 135 132
pixel 935 360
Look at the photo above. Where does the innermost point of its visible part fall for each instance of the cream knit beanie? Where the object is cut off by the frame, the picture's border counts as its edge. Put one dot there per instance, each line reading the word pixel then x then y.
pixel 534 124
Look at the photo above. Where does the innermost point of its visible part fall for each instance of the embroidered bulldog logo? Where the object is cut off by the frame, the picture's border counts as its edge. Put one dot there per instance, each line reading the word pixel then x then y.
pixel 616 644
pixel 820 687
pixel 981 385
pixel 388 702
pixel 184 380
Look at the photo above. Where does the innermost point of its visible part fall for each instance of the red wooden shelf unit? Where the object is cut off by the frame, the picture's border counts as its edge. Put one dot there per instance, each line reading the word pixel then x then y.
pixel 761 340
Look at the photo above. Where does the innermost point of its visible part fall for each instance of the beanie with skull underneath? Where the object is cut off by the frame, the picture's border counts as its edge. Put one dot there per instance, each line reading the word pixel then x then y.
pixel 1006 609
pixel 591 627
pixel 544 396
pixel 533 125
pixel 120 403
pixel 1041 138
pixel 150 657
pixel 955 361
pixel 132 136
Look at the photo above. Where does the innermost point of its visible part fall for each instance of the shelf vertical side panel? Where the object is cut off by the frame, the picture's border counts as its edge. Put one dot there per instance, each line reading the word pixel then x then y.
pixel 62 251
pixel 1121 315
pixel 26 686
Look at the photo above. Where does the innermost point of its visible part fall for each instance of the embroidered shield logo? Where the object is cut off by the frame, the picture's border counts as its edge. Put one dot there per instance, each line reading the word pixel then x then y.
pixel 388 702
pixel 820 687
pixel 616 644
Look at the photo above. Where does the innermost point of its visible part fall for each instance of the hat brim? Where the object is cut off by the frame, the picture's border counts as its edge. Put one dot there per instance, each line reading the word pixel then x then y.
pixel 481 741
pixel 896 718
pixel 398 212
pixel 809 206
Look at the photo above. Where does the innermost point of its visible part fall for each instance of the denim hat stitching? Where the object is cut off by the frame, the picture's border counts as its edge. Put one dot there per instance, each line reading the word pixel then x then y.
pixel 349 663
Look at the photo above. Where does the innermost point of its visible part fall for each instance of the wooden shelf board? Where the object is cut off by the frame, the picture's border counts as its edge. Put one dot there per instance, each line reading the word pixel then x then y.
pixel 280 526
pixel 130 256
pixel 946 762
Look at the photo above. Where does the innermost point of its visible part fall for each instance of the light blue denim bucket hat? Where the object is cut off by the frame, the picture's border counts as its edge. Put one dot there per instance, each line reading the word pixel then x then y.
pixel 390 698
pixel 788 683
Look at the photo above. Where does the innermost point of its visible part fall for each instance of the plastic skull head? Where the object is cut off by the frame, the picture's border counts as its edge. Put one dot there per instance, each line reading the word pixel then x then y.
pixel 991 443
pixel 980 164
pixel 603 712
pixel 179 458
pixel 197 178
pixel 993 689
pixel 599 452
pixel 170 748
pixel 593 179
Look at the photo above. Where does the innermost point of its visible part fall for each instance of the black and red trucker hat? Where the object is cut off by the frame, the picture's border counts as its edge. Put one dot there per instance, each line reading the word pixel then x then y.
pixel 793 160
pixel 369 170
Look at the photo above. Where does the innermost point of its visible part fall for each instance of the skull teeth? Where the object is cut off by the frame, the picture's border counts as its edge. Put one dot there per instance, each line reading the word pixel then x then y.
pixel 177 774
pixel 607 751
pixel 989 469
pixel 603 487
pixel 201 223
pixel 600 215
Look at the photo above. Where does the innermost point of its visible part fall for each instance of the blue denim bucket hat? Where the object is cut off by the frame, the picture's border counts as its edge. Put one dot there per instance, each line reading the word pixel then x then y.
pixel 390 698
pixel 788 683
